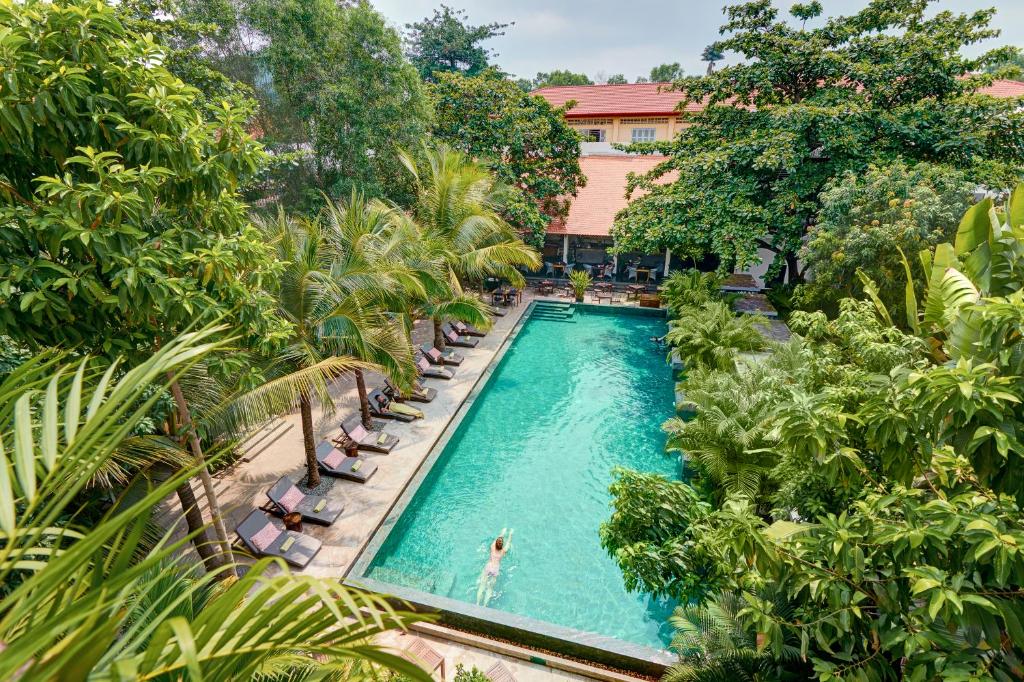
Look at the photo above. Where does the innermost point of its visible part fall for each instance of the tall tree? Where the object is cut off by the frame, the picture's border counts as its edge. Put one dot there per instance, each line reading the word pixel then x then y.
pixel 120 217
pixel 711 55
pixel 346 96
pixel 807 105
pixel 664 73
pixel 616 79
pixel 447 43
pixel 522 139
pixel 557 77
pixel 457 215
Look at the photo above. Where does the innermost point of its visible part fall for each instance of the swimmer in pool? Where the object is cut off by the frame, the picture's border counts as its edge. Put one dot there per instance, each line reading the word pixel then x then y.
pixel 489 576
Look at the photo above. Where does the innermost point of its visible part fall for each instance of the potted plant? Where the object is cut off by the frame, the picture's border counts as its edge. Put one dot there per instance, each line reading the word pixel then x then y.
pixel 580 280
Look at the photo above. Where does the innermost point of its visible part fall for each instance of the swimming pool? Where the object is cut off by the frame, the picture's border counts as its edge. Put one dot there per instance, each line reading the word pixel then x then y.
pixel 534 452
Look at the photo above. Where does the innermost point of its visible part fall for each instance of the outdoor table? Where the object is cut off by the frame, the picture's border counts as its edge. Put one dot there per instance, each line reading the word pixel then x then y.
pixel 546 287
pixel 646 272
pixel 634 290
pixel 293 521
pixel 559 269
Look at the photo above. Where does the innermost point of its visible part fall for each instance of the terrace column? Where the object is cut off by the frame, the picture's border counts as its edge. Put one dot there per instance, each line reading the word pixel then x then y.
pixel 565 248
pixel 668 259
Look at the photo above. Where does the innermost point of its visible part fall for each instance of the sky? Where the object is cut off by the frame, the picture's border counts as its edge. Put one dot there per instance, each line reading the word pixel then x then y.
pixel 630 36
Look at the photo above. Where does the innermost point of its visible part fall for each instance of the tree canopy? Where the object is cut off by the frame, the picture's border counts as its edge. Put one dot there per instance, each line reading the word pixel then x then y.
pixel 522 138
pixel 807 105
pixel 557 77
pixel 666 72
pixel 445 42
pixel 120 218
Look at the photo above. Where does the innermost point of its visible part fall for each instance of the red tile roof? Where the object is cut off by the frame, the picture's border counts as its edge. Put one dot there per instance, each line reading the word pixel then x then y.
pixel 635 99
pixel 650 99
pixel 593 210
pixel 1004 88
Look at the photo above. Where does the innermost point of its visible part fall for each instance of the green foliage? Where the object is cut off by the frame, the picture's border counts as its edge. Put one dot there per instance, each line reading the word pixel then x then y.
pixel 1010 65
pixel 120 218
pixel 522 139
pixel 713 645
pixel 892 544
pixel 616 79
pixel 92 598
pixel 689 288
pixel 867 218
pixel 711 335
pixel 472 675
pixel 807 105
pixel 580 281
pixel 664 73
pixel 347 94
pixel 446 43
pixel 653 533
pixel 557 77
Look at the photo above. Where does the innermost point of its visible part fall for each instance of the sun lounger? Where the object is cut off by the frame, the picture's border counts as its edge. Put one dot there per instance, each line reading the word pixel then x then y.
pixel 418 394
pixel 381 404
pixel 466 329
pixel 423 655
pixel 436 357
pixel 499 673
pixel 286 498
pixel 266 536
pixel 453 338
pixel 334 462
pixel 428 370
pixel 372 441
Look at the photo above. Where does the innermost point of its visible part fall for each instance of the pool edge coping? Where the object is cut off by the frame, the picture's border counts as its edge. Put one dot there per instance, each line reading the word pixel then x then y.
pixel 593 646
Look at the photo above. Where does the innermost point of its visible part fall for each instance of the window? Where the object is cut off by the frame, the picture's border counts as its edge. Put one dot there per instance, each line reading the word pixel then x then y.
pixel 592 134
pixel 643 134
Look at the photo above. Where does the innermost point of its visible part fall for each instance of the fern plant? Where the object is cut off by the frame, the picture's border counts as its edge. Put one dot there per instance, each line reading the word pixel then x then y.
pixel 711 335
pixel 580 280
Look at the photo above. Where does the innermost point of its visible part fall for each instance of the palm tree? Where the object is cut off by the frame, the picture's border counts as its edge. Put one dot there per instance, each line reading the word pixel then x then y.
pixel 731 440
pixel 711 335
pixel 89 595
pixel 320 312
pixel 457 211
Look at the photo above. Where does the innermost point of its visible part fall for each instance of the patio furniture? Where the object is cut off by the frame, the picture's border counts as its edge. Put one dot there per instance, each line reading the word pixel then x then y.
pixel 645 272
pixel 546 287
pixel 634 290
pixel 569 267
pixel 650 301
pixel 292 521
pixel 365 440
pixel 285 499
pixel 418 394
pixel 559 269
pixel 631 273
pixel 426 370
pixel 436 357
pixel 453 338
pixel 423 655
pixel 499 673
pixel 549 269
pixel 467 329
pixel 602 294
pixel 382 406
pixel 264 536
pixel 334 462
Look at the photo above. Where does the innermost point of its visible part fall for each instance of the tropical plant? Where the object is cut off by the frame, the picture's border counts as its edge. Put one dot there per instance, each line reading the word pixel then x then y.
pixel 522 139
pixel 471 675
pixel 580 280
pixel 457 217
pixel 802 105
pixel 327 319
pixel 867 218
pixel 445 43
pixel 711 335
pixel 731 441
pixel 98 600
pixel 689 288
pixel 714 646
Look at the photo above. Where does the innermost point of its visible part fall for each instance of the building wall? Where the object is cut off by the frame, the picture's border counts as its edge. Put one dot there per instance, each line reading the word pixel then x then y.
pixel 619 129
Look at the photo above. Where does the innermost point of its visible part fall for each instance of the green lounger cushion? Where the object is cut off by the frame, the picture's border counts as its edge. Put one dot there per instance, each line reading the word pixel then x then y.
pixel 320 505
pixel 287 544
pixel 355 465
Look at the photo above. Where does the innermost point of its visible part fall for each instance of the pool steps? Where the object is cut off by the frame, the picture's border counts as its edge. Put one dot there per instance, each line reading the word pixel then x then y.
pixel 555 311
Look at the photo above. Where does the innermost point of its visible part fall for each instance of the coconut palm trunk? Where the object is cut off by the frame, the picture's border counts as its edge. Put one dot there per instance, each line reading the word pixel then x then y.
pixel 364 401
pixel 185 420
pixel 312 469
pixel 197 527
pixel 438 334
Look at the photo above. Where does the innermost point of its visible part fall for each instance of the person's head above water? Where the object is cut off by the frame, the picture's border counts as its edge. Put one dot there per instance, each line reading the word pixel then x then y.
pixel 499 543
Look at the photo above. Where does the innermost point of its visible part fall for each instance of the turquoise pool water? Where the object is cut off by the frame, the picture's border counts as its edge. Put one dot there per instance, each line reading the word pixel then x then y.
pixel 568 402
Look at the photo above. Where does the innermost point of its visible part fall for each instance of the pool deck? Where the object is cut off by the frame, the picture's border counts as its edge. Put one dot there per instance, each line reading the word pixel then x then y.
pixel 276 450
